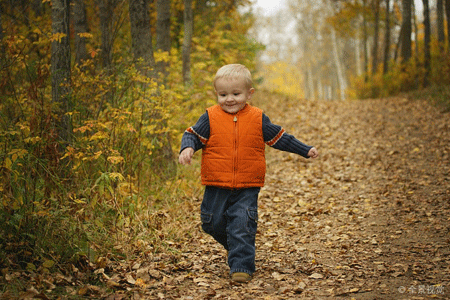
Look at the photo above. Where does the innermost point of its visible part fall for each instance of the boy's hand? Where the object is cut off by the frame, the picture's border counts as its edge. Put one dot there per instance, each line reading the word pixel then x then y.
pixel 186 156
pixel 313 153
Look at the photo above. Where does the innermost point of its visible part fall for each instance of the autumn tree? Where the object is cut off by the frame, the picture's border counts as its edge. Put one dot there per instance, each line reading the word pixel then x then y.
pixel 106 16
pixel 141 37
pixel 60 68
pixel 440 24
pixel 387 37
pixel 3 48
pixel 376 8
pixel 405 37
pixel 447 13
pixel 187 41
pixel 163 39
pixel 81 29
pixel 427 41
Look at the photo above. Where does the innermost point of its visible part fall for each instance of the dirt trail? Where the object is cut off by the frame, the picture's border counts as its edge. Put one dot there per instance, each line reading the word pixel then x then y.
pixel 369 219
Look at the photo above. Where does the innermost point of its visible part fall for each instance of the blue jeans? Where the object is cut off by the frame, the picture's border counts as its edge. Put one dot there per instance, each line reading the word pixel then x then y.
pixel 230 217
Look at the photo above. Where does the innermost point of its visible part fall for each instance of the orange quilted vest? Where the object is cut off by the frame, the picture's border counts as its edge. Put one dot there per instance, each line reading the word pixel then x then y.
pixel 234 155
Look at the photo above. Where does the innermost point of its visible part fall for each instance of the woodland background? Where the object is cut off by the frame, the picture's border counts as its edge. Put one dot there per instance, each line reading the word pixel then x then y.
pixel 96 95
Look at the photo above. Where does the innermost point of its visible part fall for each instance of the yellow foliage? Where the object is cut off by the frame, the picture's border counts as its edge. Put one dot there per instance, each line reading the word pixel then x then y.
pixel 115 159
pixel 282 77
pixel 85 35
pixel 57 37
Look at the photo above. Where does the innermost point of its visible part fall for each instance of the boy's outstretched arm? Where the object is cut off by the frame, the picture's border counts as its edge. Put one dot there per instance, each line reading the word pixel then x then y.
pixel 276 137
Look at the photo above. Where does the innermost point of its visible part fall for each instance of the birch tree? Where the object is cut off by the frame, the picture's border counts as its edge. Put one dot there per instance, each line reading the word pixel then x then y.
pixel 342 80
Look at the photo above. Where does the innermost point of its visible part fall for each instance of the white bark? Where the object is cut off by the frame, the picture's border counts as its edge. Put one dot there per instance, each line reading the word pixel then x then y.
pixel 340 74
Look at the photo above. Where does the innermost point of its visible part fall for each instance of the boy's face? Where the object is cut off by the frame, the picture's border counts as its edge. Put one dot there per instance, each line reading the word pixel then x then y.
pixel 232 94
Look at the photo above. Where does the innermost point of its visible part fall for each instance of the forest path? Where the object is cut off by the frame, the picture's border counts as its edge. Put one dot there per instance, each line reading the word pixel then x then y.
pixel 368 219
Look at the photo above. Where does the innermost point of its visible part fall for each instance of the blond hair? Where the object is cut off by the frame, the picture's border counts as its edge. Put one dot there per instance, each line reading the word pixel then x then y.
pixel 234 71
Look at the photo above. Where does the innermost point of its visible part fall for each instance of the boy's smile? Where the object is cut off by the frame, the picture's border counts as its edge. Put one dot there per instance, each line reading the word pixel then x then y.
pixel 232 94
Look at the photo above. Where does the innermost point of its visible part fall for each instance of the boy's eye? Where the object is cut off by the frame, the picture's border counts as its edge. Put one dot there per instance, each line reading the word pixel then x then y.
pixel 236 94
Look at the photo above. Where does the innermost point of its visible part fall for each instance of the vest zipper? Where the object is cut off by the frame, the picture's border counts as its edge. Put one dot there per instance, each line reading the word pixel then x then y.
pixel 235 158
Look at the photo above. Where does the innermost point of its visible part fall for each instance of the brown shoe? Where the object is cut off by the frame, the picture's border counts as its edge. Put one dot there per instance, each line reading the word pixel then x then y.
pixel 241 277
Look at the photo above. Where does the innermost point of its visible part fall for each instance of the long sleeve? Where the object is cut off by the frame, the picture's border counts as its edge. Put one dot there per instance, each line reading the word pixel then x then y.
pixel 276 137
pixel 196 136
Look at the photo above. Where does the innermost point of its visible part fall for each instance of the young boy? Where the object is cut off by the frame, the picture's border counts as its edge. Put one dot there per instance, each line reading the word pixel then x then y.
pixel 232 136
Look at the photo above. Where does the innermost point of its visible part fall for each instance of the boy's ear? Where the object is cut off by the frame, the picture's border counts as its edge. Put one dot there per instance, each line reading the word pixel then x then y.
pixel 251 91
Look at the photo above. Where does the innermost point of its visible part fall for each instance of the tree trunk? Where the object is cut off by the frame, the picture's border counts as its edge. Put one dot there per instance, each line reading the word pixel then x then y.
pixel 60 74
pixel 200 6
pixel 2 48
pixel 440 24
pixel 375 41
pixel 447 13
pixel 188 31
pixel 60 69
pixel 80 26
pixel 141 36
pixel 340 74
pixel 163 41
pixel 366 58
pixel 320 94
pixel 406 32
pixel 426 23
pixel 399 42
pixel 359 70
pixel 416 31
pixel 387 38
pixel 311 90
pixel 37 7
pixel 106 8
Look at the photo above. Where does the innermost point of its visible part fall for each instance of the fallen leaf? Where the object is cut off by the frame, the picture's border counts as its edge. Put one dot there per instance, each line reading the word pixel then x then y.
pixel 316 276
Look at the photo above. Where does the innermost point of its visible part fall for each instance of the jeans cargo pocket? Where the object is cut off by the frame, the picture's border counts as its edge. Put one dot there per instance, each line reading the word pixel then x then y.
pixel 252 222
pixel 206 222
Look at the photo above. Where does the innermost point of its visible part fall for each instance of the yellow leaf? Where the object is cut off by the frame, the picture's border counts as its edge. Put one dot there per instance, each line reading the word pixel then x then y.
pixel 85 35
pixel 115 159
pixel 116 176
pixel 32 140
pixel 8 163
pixel 31 267
pixel 57 37
pixel 48 264
pixel 99 136
pixel 97 154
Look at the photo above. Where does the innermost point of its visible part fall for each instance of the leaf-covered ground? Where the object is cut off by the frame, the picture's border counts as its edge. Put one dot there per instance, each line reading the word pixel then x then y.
pixel 368 219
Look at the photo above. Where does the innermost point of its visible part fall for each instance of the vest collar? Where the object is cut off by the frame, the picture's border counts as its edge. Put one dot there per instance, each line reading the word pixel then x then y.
pixel 244 109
